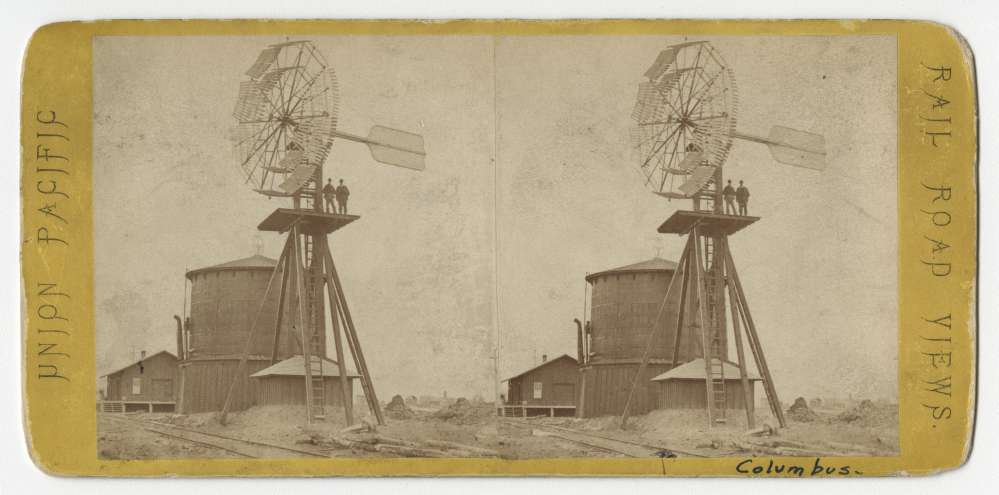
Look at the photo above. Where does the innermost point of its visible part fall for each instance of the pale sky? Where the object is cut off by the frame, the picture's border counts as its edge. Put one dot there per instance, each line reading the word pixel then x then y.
pixel 529 185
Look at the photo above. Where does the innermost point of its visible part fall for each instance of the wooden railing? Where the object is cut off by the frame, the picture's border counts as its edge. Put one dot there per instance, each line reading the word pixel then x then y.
pixel 119 406
pixel 522 410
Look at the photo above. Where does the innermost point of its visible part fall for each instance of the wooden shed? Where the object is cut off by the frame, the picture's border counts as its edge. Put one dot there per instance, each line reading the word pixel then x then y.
pixel 284 383
pixel 149 384
pixel 683 387
pixel 548 389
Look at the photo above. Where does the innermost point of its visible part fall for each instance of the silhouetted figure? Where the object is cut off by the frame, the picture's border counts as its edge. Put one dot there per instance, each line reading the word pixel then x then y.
pixel 729 195
pixel 329 192
pixel 742 197
pixel 342 193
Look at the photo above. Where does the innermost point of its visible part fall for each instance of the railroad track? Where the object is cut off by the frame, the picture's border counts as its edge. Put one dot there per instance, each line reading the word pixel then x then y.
pixel 237 446
pixel 615 445
pixel 260 450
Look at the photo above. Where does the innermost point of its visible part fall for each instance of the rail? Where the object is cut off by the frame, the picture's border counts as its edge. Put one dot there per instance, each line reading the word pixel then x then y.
pixel 238 446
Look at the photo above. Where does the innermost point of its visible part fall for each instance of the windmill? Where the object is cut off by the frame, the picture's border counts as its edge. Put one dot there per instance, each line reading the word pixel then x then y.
pixel 685 126
pixel 286 122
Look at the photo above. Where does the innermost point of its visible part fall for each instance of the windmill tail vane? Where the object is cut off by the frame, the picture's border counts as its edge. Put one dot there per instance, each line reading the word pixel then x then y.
pixel 392 146
pixel 793 147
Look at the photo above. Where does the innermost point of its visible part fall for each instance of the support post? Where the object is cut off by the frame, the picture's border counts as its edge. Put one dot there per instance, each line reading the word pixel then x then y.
pixel 249 341
pixel 737 336
pixel 354 343
pixel 754 344
pixel 650 341
pixel 347 400
pixel 285 276
pixel 305 341
pixel 684 265
pixel 705 342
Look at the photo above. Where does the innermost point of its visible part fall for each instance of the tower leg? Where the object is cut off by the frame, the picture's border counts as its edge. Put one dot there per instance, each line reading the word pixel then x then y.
pixel 345 393
pixel 313 385
pixel 253 327
pixel 754 343
pixel 353 342
pixel 283 265
pixel 705 327
pixel 684 266
pixel 737 336
pixel 651 340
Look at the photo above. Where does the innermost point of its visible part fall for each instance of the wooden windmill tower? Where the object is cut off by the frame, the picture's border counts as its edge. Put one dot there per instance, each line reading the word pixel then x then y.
pixel 686 124
pixel 286 117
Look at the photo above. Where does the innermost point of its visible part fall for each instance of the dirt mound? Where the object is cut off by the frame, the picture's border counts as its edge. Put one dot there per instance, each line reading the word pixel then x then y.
pixel 868 413
pixel 464 412
pixel 397 408
pixel 800 412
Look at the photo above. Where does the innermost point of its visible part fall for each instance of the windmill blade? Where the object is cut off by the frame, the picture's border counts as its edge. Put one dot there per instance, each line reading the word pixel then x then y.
pixel 663 61
pixel 297 178
pixel 697 180
pixel 666 58
pixel 392 146
pixel 690 161
pixel 793 147
pixel 264 61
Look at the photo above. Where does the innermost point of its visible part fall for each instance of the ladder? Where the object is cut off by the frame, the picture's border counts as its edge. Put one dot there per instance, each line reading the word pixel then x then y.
pixel 715 354
pixel 717 379
pixel 317 404
pixel 312 347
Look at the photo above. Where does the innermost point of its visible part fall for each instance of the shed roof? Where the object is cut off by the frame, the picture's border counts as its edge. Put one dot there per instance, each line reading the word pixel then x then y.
pixel 542 365
pixel 133 363
pixel 295 366
pixel 656 264
pixel 694 370
pixel 255 262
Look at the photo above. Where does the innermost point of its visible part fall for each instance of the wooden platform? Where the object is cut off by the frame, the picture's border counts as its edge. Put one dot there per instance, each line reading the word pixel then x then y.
pixel 312 222
pixel 711 224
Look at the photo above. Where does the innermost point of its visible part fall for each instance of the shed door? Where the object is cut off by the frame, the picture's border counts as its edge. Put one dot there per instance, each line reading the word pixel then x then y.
pixel 163 389
pixel 113 391
pixel 565 393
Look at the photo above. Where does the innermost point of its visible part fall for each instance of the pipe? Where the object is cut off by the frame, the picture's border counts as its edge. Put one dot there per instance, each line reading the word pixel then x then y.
pixel 180 338
pixel 579 341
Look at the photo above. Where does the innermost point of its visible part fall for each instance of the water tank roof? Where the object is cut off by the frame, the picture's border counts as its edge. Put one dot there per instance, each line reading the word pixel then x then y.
pixel 295 366
pixel 255 262
pixel 656 264
pixel 694 370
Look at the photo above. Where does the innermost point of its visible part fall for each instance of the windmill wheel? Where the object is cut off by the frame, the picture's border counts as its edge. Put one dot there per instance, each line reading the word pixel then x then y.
pixel 685 119
pixel 286 117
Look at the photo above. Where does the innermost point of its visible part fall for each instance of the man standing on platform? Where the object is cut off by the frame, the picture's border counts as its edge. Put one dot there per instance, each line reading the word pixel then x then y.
pixel 742 197
pixel 729 195
pixel 328 192
pixel 342 193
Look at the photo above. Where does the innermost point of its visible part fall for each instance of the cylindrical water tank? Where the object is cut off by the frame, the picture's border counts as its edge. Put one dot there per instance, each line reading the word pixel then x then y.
pixel 225 300
pixel 625 303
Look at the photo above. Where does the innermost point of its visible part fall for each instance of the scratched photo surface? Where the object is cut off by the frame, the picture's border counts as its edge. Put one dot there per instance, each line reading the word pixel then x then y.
pixel 501 285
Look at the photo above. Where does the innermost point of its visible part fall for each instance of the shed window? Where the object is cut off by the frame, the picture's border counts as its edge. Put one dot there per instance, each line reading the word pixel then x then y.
pixel 136 386
pixel 537 390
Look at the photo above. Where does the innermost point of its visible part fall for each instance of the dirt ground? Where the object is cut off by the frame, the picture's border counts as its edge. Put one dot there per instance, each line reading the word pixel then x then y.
pixel 860 429
pixel 118 439
pixel 864 429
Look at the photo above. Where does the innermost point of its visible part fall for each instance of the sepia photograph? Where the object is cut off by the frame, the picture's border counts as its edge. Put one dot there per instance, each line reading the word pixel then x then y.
pixel 492 246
